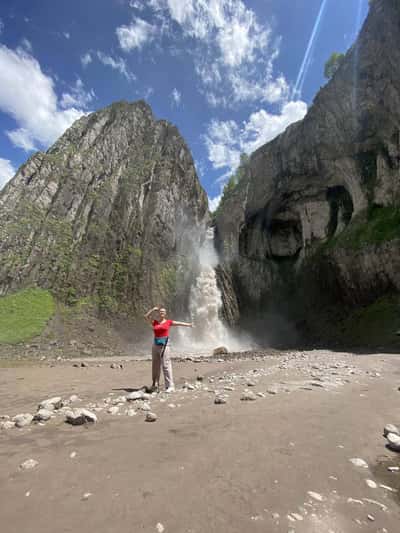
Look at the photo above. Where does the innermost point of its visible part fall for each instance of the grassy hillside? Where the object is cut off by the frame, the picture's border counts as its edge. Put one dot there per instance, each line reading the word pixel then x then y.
pixel 24 315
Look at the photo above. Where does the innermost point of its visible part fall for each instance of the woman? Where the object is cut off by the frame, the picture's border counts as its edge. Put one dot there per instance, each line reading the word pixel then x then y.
pixel 160 351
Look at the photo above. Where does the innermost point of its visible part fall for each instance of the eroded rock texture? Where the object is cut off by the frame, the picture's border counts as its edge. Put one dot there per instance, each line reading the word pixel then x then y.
pixel 107 213
pixel 313 227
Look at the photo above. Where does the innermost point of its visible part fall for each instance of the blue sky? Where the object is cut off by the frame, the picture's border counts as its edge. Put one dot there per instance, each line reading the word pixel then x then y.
pixel 231 74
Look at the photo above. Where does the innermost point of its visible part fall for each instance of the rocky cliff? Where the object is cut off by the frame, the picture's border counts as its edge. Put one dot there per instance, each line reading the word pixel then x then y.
pixel 105 215
pixel 311 233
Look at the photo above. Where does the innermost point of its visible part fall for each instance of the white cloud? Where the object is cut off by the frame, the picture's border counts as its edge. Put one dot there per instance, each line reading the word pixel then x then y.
pixel 26 45
pixel 37 112
pixel 1 30
pixel 176 97
pixel 77 96
pixel 117 64
pixel 137 4
pixel 135 35
pixel 67 35
pixel 213 203
pixel 7 171
pixel 86 59
pixel 233 52
pixel 226 140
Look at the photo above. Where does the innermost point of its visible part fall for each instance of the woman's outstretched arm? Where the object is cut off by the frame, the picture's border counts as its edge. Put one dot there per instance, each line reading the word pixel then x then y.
pixel 186 324
pixel 147 315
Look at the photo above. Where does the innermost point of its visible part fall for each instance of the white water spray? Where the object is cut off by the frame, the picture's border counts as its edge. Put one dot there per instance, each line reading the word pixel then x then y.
pixel 205 305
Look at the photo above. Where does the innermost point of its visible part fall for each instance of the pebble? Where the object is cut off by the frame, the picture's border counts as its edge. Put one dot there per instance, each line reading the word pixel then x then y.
pixel 22 420
pixel 251 384
pixel 219 400
pixel 160 528
pixel 29 464
pixel 151 417
pixel 358 462
pixel 72 455
pixel 80 416
pixel 42 415
pixel 272 390
pixel 390 428
pixel 393 442
pixel 135 395
pixel 393 468
pixel 130 412
pixel 145 407
pixel 370 517
pixel 248 396
pixel 113 410
pixel 316 496
pixel 87 495
pixel 73 398
pixel 371 484
pixel 7 424
pixel 51 403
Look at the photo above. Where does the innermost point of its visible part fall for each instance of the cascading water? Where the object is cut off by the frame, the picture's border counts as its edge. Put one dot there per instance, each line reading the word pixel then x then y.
pixel 205 305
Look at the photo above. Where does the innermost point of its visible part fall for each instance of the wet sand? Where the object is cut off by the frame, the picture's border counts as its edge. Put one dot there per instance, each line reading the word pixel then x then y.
pixel 203 467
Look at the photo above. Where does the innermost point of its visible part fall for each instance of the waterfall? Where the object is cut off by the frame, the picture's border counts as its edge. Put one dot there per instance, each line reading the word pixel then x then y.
pixel 205 305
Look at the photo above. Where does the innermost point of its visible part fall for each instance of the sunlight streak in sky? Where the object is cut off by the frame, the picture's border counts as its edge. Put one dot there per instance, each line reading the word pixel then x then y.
pixel 298 88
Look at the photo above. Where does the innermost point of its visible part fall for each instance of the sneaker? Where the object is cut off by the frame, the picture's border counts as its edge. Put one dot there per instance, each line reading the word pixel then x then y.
pixel 170 389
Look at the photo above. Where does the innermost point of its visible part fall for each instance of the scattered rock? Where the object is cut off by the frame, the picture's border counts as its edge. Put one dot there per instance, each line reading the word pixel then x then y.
pixel 359 462
pixel 393 442
pixel 151 417
pixel 7 424
pixel 390 428
pixel 51 403
pixel 130 412
pixel 394 468
pixel 371 484
pixel 80 416
pixel 42 415
pixel 316 496
pixel 188 386
pixel 199 378
pixel 272 390
pixel 72 455
pixel 28 464
pixel 251 384
pixel 145 407
pixel 370 517
pixel 248 396
pixel 22 420
pixel 160 528
pixel 113 410
pixel 73 398
pixel 87 495
pixel 135 395
pixel 221 350
pixel 219 400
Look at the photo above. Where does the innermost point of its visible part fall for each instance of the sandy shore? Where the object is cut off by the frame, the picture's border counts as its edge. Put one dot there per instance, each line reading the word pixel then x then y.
pixel 242 466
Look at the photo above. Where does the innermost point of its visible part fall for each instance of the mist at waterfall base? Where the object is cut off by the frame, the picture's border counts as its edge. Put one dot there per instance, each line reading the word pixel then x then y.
pixel 205 305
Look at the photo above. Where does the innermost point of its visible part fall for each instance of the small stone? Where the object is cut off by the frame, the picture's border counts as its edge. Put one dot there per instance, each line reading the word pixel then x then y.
pixel 199 378
pixel 359 462
pixel 73 398
pixel 371 484
pixel 29 464
pixel 151 417
pixel 51 403
pixel 28 493
pixel 72 455
pixel 393 442
pixel 135 395
pixel 248 396
pixel 189 386
pixel 113 410
pixel 275 516
pixel 130 412
pixel 43 415
pixel 272 390
pixel 316 496
pixel 160 528
pixel 7 424
pixel 22 420
pixel 84 365
pixel 393 468
pixel 145 407
pixel 297 516
pixel 370 517
pixel 261 394
pixel 80 416
pixel 219 400
pixel 221 350
pixel 251 384
pixel 87 495
pixel 228 388
pixel 390 428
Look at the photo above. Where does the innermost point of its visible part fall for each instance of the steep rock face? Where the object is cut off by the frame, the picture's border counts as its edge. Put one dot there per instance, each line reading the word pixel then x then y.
pixel 318 208
pixel 106 213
